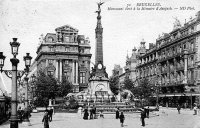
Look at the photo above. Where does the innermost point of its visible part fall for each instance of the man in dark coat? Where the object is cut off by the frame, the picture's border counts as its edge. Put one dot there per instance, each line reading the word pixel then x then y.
pixel 117 113
pixel 147 112
pixel 178 108
pixel 122 118
pixel 94 111
pixel 91 113
pixel 50 114
pixel 143 115
pixel 86 114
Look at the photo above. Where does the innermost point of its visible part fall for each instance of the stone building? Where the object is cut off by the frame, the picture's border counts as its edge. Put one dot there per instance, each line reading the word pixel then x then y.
pixel 131 63
pixel 65 54
pixel 173 64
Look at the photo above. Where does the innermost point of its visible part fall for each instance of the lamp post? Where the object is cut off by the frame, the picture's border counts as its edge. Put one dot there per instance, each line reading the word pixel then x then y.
pixel 13 74
pixel 27 60
pixel 33 78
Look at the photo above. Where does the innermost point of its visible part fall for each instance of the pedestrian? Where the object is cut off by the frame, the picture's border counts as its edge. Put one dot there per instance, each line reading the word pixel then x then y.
pixel 46 119
pixel 50 114
pixel 122 118
pixel 195 110
pixel 86 114
pixel 179 109
pixel 91 113
pixel 117 113
pixel 101 114
pixel 94 112
pixel 147 112
pixel 143 115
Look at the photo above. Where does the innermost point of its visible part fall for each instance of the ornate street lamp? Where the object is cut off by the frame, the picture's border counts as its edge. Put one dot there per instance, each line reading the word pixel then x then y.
pixel 2 58
pixel 33 79
pixel 14 74
pixel 27 60
pixel 14 47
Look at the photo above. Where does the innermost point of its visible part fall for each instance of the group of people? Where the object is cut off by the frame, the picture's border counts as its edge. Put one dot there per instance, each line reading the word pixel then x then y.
pixel 21 113
pixel 195 108
pixel 47 117
pixel 144 114
pixel 91 114
pixel 121 117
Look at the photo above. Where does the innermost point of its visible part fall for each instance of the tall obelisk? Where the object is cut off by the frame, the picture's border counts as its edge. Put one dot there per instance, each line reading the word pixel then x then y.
pixel 99 38
pixel 99 82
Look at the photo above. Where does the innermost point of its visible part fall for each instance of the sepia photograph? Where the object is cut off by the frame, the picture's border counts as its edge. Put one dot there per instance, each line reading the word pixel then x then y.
pixel 99 63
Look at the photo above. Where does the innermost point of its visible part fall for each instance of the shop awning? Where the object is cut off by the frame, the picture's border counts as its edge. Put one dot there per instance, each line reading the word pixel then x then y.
pixel 179 94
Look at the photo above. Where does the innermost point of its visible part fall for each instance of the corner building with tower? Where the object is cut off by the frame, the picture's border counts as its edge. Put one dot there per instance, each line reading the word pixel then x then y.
pixel 173 64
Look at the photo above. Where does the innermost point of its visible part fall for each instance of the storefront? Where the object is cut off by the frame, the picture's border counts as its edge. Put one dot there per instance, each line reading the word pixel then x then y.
pixel 186 100
pixel 4 108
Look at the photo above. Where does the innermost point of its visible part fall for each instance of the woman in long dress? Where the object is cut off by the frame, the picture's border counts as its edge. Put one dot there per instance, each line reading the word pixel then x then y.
pixel 46 120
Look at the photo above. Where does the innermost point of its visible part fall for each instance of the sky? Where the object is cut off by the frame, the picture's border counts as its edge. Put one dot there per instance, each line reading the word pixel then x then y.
pixel 122 29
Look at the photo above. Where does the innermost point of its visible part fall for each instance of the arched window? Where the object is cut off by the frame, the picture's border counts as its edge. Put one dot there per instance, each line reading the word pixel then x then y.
pixel 50 39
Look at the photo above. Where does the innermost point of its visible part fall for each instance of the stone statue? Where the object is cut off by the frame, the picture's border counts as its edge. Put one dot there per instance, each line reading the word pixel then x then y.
pixel 99 7
pixel 59 36
pixel 177 23
pixel 41 38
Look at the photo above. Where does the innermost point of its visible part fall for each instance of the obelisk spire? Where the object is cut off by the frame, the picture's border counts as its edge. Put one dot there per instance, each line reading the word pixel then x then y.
pixel 99 37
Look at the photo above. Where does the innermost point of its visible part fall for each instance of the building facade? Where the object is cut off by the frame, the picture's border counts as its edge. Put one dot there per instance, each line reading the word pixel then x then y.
pixel 131 63
pixel 65 54
pixel 173 64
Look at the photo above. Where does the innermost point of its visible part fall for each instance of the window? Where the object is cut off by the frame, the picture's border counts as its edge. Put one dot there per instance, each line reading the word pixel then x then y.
pixel 50 39
pixel 82 77
pixel 184 46
pixel 50 61
pixel 66 39
pixel 82 51
pixel 82 41
pixel 50 73
pixel 191 46
pixel 67 49
pixel 67 75
pixel 66 62
pixel 51 49
pixel 192 60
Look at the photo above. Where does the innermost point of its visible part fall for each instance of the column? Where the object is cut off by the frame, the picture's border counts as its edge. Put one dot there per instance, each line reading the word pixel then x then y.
pixel 73 71
pixel 61 70
pixel 26 120
pixel 46 62
pixel 185 65
pixel 14 118
pixel 76 72
pixel 57 69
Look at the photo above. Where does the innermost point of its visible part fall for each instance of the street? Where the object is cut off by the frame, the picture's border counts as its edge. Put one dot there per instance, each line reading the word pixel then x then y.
pixel 168 118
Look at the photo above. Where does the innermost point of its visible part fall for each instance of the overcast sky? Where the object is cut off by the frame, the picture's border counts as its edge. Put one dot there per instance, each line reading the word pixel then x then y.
pixel 122 29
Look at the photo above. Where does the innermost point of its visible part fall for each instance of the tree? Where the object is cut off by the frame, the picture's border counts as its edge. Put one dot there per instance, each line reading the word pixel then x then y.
pixel 114 84
pixel 64 87
pixel 144 90
pixel 128 84
pixel 46 88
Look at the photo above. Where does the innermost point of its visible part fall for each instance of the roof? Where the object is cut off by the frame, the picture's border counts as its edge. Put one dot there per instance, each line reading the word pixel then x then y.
pixel 67 27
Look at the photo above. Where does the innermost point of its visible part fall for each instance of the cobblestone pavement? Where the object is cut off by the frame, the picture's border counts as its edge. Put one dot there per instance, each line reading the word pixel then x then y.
pixel 168 118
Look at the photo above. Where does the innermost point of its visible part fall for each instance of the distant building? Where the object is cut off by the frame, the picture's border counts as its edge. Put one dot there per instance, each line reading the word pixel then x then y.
pixel 64 54
pixel 117 70
pixel 131 62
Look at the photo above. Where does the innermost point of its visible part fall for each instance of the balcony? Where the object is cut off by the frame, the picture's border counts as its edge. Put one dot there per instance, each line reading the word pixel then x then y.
pixel 180 67
pixel 191 82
